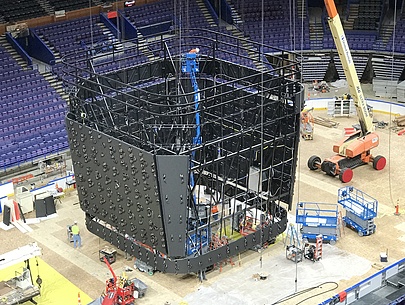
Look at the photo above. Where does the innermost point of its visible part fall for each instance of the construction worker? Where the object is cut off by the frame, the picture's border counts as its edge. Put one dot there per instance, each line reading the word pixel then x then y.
pixel 196 50
pixel 76 235
pixel 214 212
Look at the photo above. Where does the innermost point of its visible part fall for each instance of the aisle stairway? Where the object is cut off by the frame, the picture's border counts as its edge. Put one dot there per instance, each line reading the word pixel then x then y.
pixel 315 29
pixel 5 44
pixel 235 31
pixel 353 15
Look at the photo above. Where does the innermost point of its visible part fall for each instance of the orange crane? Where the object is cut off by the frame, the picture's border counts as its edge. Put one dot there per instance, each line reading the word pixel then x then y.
pixel 354 149
pixel 118 293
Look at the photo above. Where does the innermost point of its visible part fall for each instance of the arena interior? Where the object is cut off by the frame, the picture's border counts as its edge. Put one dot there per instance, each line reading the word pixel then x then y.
pixel 171 132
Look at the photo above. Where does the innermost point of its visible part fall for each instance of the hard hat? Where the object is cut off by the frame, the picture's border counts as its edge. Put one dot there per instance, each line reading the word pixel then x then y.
pixel 197 50
pixel 75 221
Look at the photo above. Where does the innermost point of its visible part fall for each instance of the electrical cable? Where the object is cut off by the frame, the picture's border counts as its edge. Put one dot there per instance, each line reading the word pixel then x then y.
pixel 296 294
pixel 261 53
pixel 299 138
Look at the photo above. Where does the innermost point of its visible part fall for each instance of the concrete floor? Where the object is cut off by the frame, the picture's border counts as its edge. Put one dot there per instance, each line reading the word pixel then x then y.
pixel 346 263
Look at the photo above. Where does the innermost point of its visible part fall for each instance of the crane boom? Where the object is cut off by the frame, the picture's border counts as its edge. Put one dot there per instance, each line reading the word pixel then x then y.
pixel 109 268
pixel 345 56
pixel 354 149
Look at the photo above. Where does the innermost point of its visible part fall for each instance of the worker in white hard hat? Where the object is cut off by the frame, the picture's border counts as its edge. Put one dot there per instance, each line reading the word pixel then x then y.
pixel 77 240
pixel 196 50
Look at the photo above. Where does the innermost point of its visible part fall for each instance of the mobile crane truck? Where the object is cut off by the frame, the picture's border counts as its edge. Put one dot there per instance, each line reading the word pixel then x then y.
pixel 354 149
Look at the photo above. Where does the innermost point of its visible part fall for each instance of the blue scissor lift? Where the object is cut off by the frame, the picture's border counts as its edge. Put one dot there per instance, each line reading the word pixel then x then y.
pixel 361 209
pixel 318 219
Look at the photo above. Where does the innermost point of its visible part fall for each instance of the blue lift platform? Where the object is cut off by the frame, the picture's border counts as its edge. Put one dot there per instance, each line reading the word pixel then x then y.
pixel 361 209
pixel 318 219
pixel 197 243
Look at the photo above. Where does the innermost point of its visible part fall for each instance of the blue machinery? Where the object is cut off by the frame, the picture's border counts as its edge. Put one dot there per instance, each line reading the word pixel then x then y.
pixel 318 218
pixel 361 209
pixel 322 218
pixel 189 64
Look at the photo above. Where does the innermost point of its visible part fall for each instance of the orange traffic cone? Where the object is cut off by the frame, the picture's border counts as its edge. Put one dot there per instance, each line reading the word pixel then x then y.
pixel 79 301
pixel 397 213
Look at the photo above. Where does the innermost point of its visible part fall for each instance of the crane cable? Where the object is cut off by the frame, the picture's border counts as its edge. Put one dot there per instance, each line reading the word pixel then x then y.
pixel 292 14
pixel 298 172
pixel 261 59
pixel 392 75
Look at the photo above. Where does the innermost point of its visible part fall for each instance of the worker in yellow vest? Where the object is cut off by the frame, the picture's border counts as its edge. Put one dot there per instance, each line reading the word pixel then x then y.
pixel 77 240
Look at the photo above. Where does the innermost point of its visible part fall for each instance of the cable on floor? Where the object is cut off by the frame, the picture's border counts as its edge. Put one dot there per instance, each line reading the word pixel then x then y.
pixel 293 295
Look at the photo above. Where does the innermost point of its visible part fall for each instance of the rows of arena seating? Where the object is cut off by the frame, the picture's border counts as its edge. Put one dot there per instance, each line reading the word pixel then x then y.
pixel 12 11
pixel 151 13
pixel 70 5
pixel 71 36
pixel 77 38
pixel 20 10
pixel 357 40
pixel 277 28
pixel 194 19
pixel 273 27
pixel 369 15
pixel 399 35
pixel 32 115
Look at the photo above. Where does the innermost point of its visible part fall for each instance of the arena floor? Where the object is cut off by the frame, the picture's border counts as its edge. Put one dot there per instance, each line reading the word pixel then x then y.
pixel 352 258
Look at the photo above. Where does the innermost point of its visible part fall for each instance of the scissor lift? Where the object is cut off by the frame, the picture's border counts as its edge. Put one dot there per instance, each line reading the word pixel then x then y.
pixel 361 209
pixel 318 218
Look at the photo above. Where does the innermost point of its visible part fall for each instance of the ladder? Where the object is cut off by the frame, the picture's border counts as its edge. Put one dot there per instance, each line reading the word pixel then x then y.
pixel 341 225
pixel 292 236
pixel 318 247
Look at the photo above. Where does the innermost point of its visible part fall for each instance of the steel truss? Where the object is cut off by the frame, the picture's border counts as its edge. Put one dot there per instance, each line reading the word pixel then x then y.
pixel 131 135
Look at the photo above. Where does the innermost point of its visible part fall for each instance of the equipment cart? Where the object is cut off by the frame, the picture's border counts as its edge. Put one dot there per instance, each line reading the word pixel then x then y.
pixel 109 253
pixel 361 209
pixel 318 218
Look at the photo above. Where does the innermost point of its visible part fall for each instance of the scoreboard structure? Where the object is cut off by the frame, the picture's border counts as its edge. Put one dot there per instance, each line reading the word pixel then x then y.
pixel 147 187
